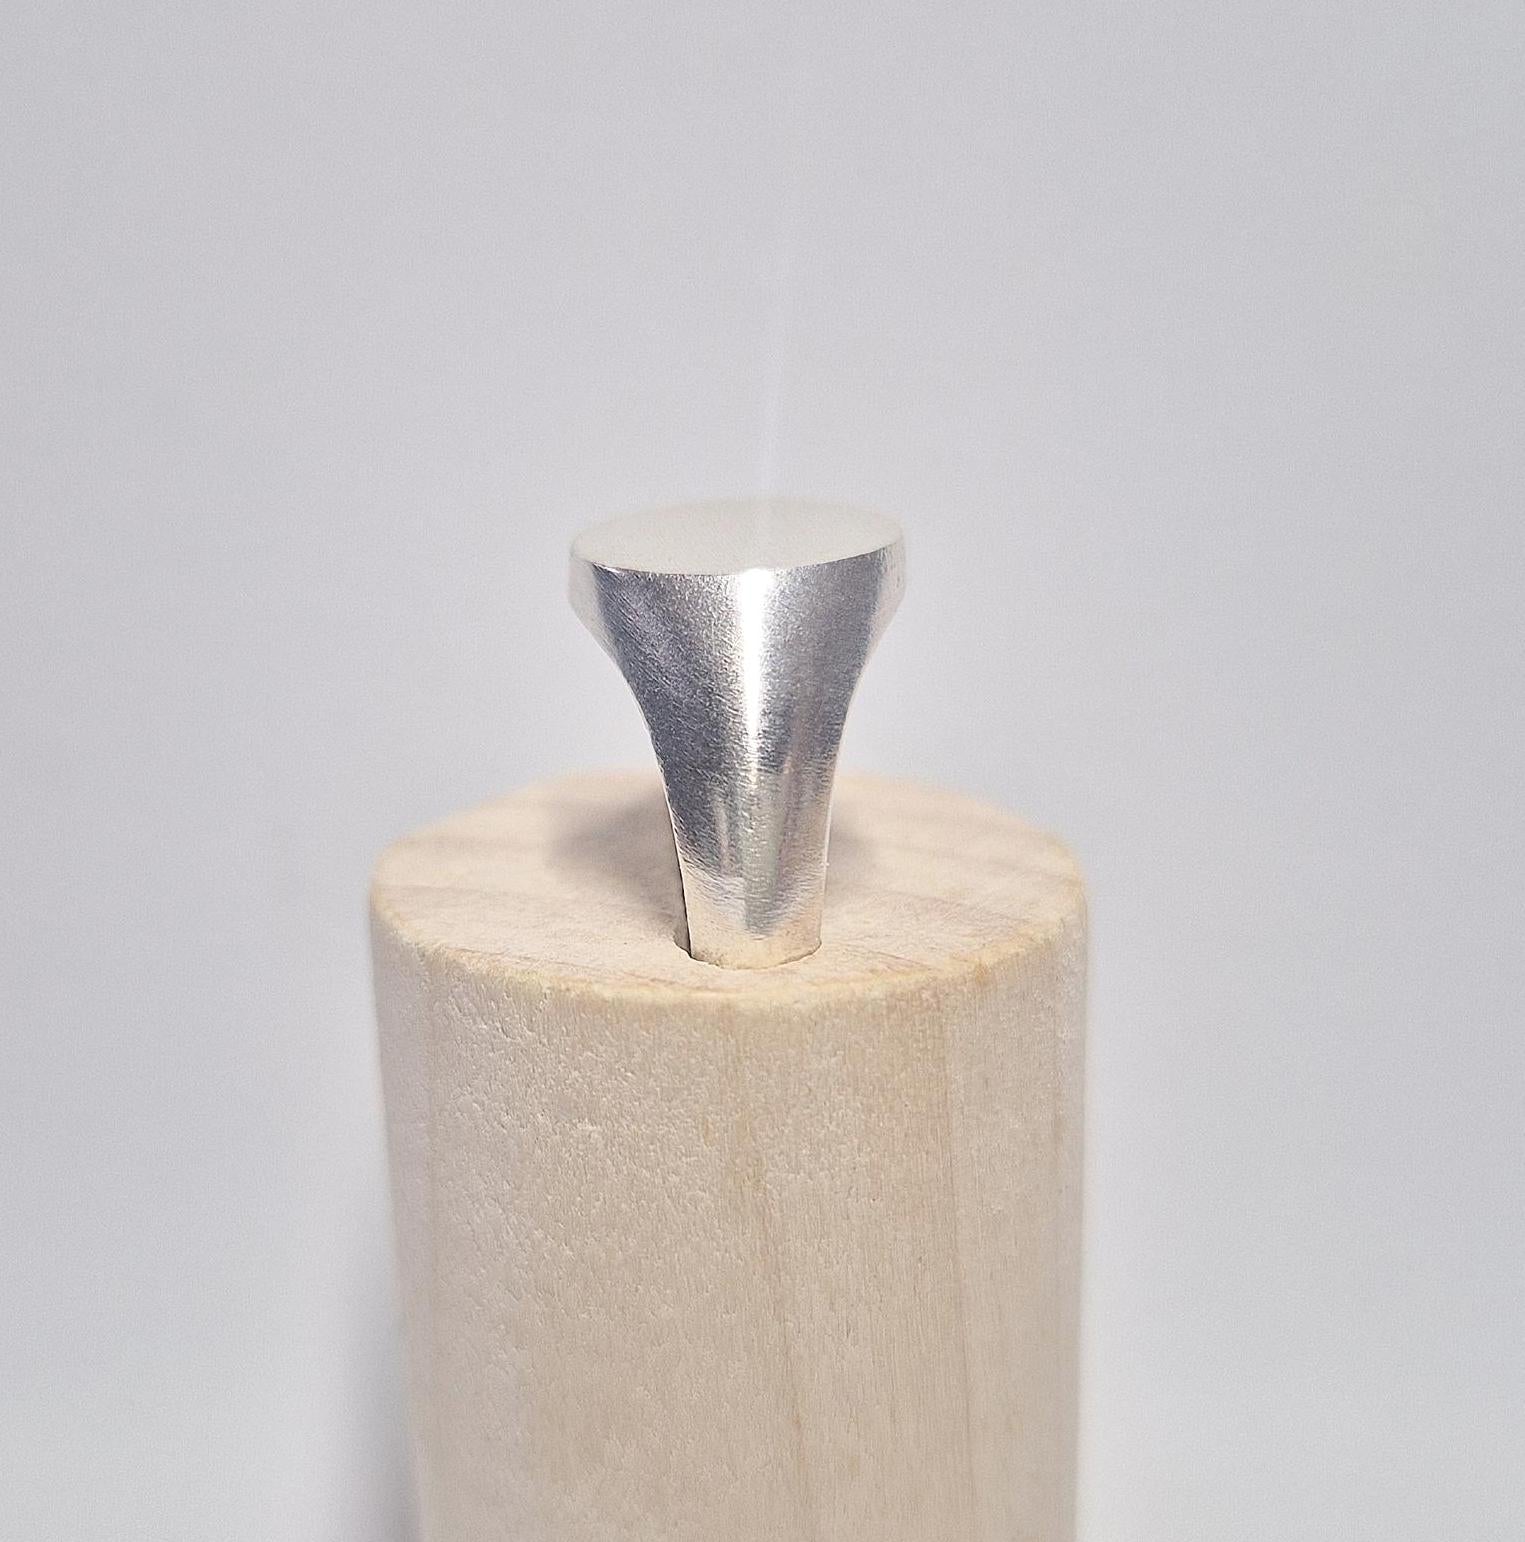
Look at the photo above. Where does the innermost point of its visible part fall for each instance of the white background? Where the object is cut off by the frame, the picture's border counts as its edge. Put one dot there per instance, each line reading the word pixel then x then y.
pixel 1187 340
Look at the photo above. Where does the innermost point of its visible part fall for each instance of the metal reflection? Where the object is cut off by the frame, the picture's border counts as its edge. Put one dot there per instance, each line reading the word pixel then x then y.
pixel 742 629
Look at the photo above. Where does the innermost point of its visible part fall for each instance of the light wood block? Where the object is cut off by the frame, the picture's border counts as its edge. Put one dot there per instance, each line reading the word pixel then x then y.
pixel 702 1255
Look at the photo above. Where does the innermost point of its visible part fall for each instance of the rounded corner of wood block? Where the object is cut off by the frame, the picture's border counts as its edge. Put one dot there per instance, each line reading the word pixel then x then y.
pixel 573 884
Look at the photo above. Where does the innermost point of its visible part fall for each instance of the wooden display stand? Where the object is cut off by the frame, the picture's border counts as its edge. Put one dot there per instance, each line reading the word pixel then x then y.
pixel 704 1255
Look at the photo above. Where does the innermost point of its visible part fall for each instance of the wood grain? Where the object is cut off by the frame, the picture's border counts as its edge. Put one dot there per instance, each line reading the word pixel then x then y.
pixel 692 1253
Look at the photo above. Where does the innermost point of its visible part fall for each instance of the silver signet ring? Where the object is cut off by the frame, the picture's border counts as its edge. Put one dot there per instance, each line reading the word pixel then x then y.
pixel 742 629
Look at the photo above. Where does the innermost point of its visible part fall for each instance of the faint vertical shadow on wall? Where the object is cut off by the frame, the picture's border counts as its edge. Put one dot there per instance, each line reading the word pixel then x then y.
pixel 374 1498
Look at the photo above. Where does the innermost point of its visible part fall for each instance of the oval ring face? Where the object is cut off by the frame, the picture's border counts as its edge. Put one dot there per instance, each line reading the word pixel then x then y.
pixel 742 629
pixel 735 536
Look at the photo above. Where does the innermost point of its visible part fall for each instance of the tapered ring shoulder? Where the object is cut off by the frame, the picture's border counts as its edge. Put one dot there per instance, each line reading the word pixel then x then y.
pixel 742 629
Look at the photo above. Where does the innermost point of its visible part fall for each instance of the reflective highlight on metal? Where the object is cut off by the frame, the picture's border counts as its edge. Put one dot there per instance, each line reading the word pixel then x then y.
pixel 742 629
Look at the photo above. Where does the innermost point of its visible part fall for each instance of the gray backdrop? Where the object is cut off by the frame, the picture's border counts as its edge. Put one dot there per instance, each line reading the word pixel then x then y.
pixel 1187 340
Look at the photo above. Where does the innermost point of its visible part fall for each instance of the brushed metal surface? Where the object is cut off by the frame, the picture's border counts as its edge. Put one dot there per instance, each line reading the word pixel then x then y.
pixel 742 629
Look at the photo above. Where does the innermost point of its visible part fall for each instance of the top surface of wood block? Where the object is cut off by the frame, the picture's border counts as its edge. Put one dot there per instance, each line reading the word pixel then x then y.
pixel 575 882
